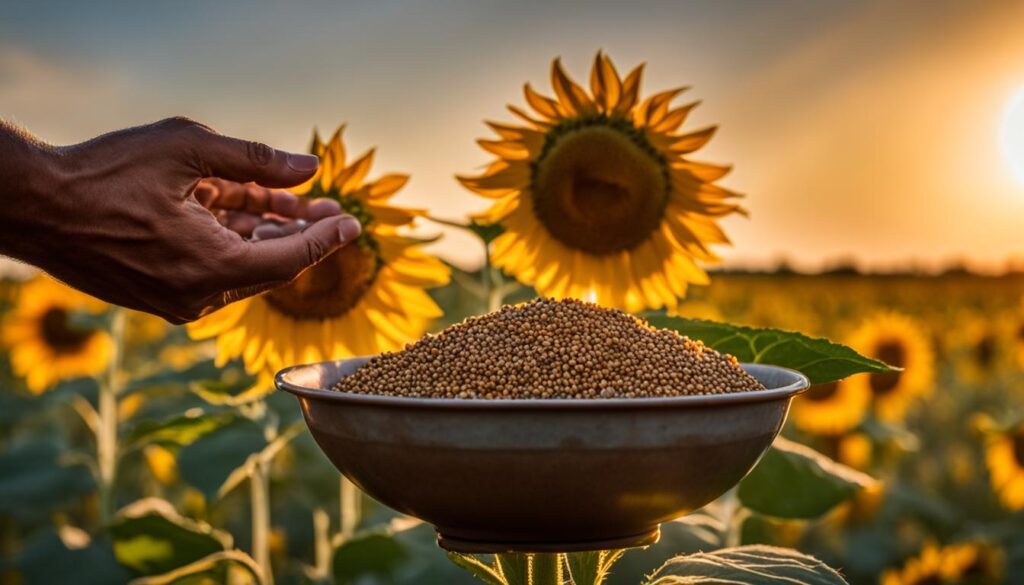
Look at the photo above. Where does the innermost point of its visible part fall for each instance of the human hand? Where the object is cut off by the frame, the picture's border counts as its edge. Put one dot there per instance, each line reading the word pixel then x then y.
pixel 118 217
pixel 259 213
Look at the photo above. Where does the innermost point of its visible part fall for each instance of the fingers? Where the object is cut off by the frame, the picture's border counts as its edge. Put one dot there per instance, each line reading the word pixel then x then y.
pixel 228 195
pixel 271 262
pixel 244 161
pixel 271 230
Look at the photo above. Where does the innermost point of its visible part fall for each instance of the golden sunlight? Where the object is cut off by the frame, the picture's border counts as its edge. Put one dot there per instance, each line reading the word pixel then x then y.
pixel 1012 134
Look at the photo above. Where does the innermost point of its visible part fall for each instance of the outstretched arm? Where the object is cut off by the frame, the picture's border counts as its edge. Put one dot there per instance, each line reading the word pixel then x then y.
pixel 153 217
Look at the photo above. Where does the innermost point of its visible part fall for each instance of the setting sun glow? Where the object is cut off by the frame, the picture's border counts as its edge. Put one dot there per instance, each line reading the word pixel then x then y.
pixel 1012 134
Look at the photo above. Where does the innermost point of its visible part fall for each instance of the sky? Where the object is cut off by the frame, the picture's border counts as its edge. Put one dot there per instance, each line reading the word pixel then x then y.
pixel 861 129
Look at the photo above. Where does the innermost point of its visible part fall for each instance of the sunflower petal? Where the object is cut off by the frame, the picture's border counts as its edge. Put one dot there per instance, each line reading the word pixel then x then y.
pixel 573 101
pixel 387 186
pixel 605 83
pixel 351 178
pixel 543 105
pixel 630 91
pixel 694 140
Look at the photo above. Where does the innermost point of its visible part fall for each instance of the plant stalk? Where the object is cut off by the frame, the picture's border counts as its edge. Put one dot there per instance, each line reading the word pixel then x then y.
pixel 485 275
pixel 322 543
pixel 546 569
pixel 732 518
pixel 348 508
pixel 106 431
pixel 259 484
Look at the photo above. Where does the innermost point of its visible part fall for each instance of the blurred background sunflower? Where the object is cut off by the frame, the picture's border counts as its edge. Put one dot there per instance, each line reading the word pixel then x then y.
pixel 832 408
pixel 960 563
pixel 1004 455
pixel 51 337
pixel 597 196
pixel 899 340
pixel 366 298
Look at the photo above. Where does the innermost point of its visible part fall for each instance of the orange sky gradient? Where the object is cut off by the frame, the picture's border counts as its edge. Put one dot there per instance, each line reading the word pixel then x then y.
pixel 865 130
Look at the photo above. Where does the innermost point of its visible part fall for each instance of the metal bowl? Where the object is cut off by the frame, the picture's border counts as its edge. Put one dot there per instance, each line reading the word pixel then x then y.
pixel 542 475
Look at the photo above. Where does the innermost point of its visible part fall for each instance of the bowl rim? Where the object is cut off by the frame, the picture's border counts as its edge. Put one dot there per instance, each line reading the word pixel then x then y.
pixel 798 385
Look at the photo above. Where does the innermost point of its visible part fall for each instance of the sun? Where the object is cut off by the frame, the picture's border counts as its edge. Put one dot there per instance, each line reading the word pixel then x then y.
pixel 1011 134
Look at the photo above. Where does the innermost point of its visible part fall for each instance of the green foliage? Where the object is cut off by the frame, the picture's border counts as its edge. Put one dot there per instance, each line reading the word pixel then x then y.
pixel 795 481
pixel 514 567
pixel 819 359
pixel 591 568
pixel 479 569
pixel 237 392
pixel 750 565
pixel 54 559
pixel 375 554
pixel 211 568
pixel 208 462
pixel 178 431
pixel 486 232
pixel 33 478
pixel 150 537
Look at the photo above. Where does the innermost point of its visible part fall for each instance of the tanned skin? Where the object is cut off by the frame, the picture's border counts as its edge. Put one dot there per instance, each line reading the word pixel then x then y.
pixel 171 218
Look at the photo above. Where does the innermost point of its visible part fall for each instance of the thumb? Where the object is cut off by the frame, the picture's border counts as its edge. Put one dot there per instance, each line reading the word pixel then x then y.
pixel 243 161
pixel 273 262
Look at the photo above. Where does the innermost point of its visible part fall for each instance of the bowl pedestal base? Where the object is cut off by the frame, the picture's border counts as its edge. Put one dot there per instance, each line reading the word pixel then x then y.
pixel 462 545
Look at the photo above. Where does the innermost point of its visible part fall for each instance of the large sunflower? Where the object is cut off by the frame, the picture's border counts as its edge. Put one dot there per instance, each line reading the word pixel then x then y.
pixel 968 562
pixel 366 298
pixel 832 408
pixel 897 340
pixel 46 343
pixel 1004 455
pixel 596 194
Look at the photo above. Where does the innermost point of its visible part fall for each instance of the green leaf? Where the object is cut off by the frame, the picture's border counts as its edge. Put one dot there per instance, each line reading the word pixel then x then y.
pixel 150 537
pixel 174 377
pixel 591 568
pixel 486 232
pixel 546 569
pixel 55 559
pixel 515 567
pixel 819 359
pixel 371 554
pixel 585 567
pixel 212 568
pixel 795 481
pixel 242 391
pixel 477 568
pixel 33 478
pixel 208 462
pixel 750 565
pixel 178 431
pixel 265 456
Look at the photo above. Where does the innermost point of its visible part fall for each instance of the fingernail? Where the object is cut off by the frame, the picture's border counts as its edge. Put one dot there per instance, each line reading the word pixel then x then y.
pixel 303 163
pixel 349 228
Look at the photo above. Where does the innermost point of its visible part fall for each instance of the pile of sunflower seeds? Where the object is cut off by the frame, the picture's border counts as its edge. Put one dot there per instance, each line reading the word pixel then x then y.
pixel 551 349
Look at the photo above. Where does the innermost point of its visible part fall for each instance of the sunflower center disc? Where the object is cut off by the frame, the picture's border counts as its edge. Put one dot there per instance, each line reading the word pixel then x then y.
pixel 1018 447
pixel 822 392
pixel 57 332
pixel 892 353
pixel 598 191
pixel 328 289
pixel 985 351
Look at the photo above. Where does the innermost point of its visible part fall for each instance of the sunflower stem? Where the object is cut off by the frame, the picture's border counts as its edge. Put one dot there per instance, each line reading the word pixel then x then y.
pixel 732 519
pixel 259 485
pixel 322 543
pixel 546 569
pixel 106 429
pixel 348 508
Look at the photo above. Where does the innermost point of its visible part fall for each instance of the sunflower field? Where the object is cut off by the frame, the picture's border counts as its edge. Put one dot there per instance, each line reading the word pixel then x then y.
pixel 132 451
